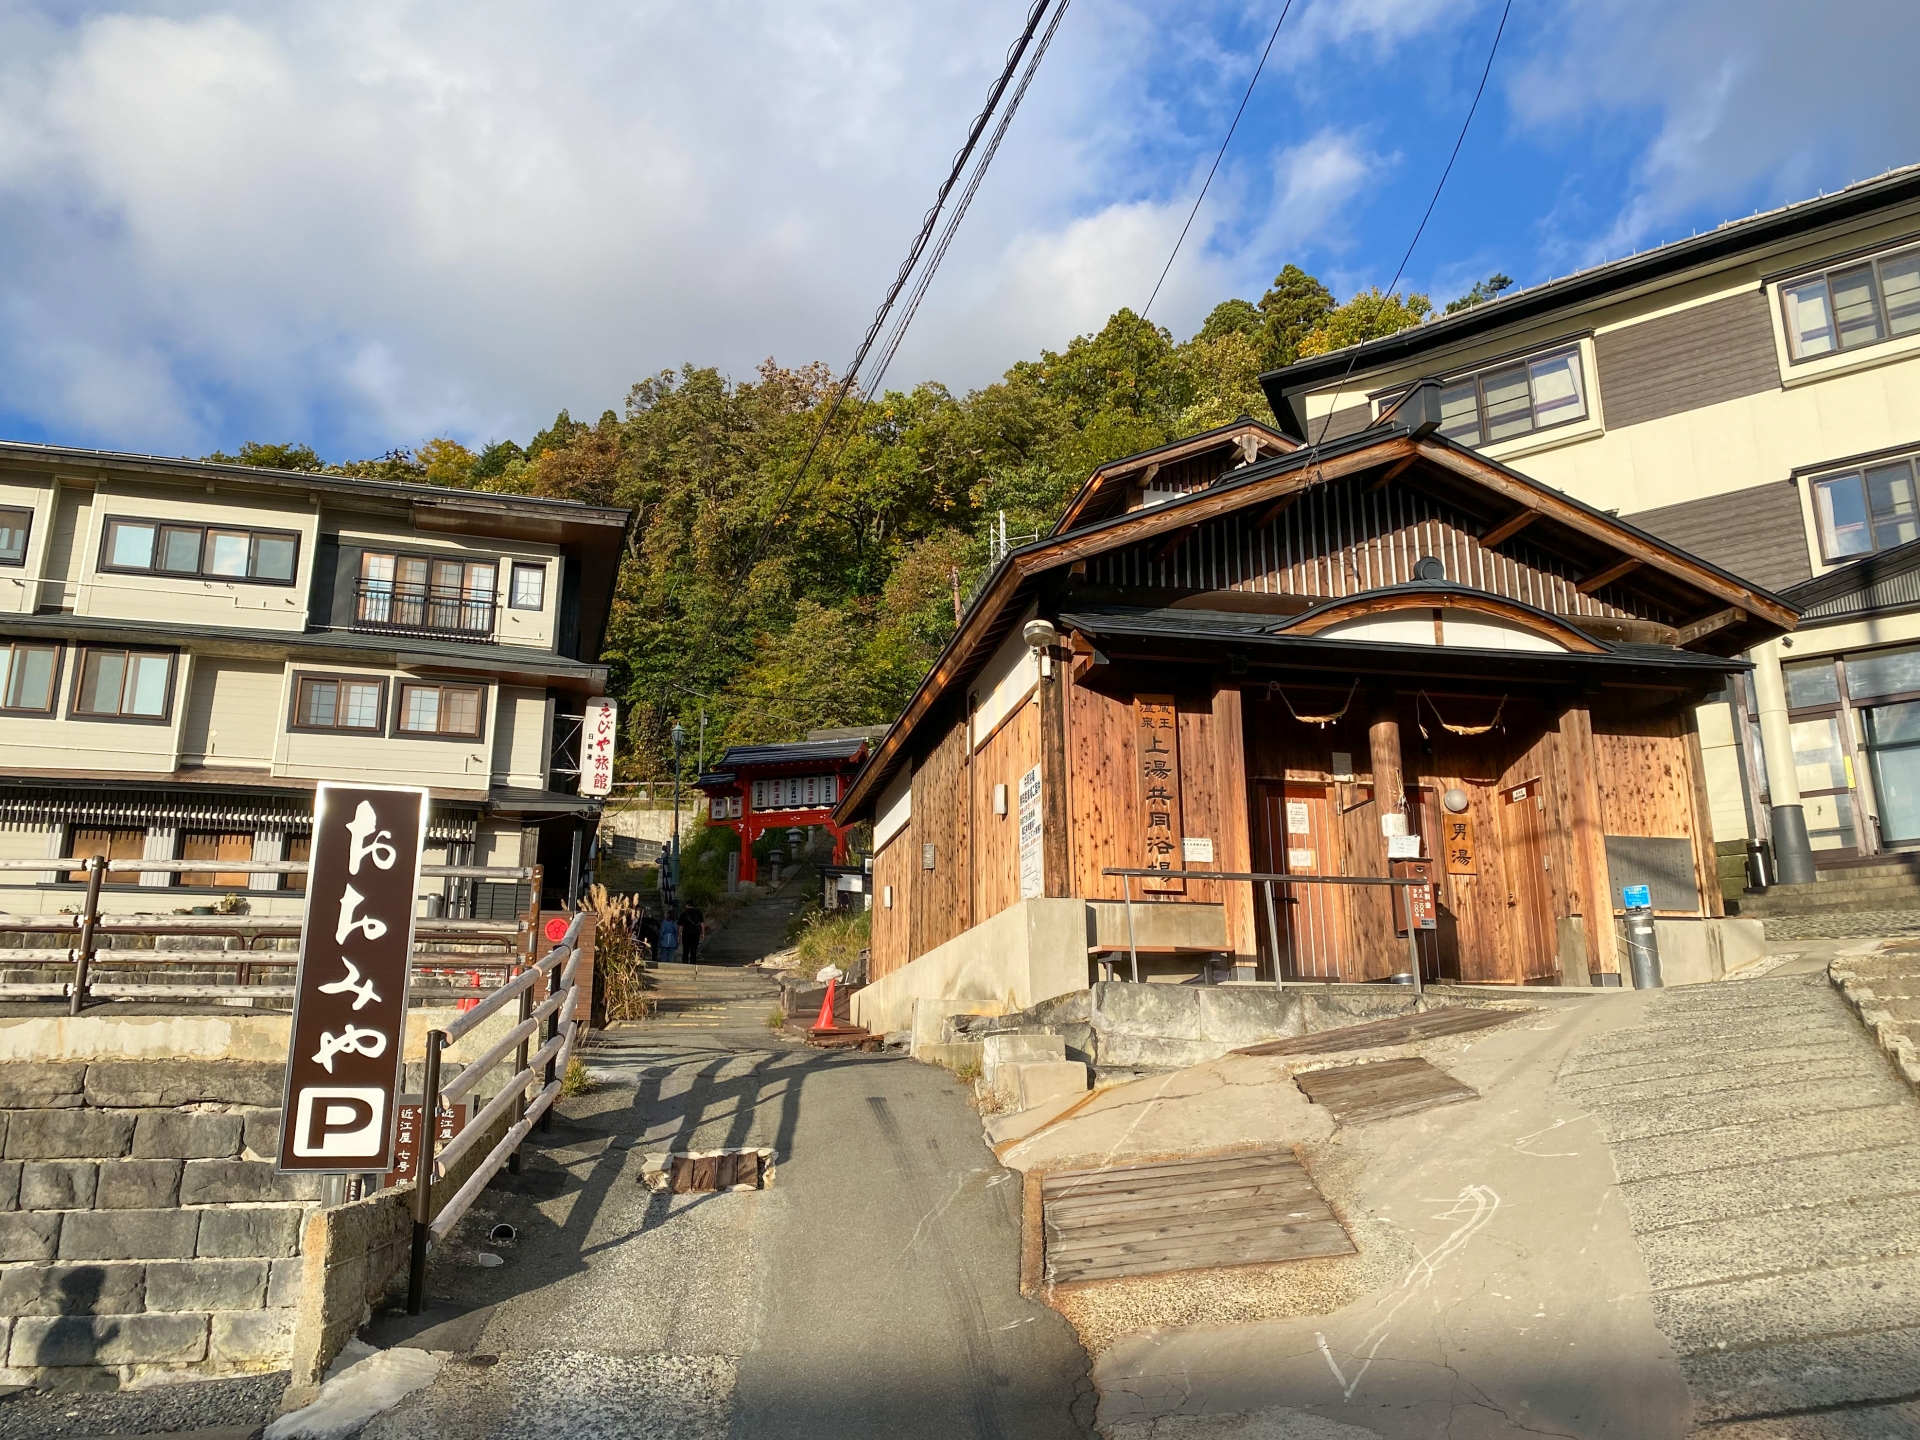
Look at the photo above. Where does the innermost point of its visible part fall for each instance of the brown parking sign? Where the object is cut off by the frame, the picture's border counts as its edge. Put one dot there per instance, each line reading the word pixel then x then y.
pixel 350 1002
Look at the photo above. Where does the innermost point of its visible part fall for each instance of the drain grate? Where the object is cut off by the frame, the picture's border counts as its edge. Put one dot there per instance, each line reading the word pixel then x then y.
pixel 1246 1208
pixel 701 1172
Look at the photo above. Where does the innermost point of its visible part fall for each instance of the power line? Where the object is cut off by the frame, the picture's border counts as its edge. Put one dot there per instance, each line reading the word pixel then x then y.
pixel 1217 159
pixel 1460 140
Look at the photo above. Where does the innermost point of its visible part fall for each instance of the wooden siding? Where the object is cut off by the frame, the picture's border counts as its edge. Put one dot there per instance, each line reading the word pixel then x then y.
pixel 896 865
pixel 1348 421
pixel 1009 753
pixel 1757 533
pixel 943 896
pixel 1687 360
pixel 1646 777
pixel 1344 538
pixel 233 712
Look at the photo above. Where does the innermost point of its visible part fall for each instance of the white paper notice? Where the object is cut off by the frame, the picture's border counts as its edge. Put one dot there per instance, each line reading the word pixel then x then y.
pixel 1298 822
pixel 1197 848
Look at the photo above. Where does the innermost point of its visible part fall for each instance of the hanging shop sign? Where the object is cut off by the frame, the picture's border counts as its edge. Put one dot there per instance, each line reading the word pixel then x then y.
pixel 350 999
pixel 1033 875
pixel 1456 844
pixel 599 729
pixel 1157 750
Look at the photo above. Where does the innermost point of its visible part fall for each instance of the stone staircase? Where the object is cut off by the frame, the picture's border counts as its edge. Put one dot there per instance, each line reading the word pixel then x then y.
pixel 1878 898
pixel 143 1229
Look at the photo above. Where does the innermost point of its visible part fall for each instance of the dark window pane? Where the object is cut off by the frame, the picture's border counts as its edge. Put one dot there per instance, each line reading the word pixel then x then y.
pixel 1812 683
pixel 299 847
pixel 235 846
pixel 1856 308
pixel 13 535
pixel 273 557
pixel 1809 319
pixel 1842 508
pixel 130 546
pixel 1884 672
pixel 101 676
pixel 1893 724
pixel 115 844
pixel 180 550
pixel 29 677
pixel 1890 497
pixel 1509 403
pixel 1900 289
pixel 317 701
pixel 1460 413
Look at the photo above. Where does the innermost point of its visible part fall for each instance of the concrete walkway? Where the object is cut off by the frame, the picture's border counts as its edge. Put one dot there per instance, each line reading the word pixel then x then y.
pixel 871 1292
pixel 1770 1165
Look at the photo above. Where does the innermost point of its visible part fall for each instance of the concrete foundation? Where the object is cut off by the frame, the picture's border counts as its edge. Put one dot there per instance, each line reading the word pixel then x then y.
pixel 1027 953
pixel 1698 952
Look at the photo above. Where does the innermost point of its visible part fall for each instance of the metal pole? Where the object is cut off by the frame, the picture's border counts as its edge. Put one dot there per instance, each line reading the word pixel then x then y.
pixel 1133 951
pixel 83 965
pixel 553 1029
pixel 1273 935
pixel 1413 943
pixel 423 1173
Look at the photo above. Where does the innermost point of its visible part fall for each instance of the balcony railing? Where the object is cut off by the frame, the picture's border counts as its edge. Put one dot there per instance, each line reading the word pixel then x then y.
pixel 450 610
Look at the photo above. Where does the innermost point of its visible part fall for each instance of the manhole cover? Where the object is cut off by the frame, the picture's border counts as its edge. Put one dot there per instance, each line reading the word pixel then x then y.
pixel 697 1172
pixel 1249 1208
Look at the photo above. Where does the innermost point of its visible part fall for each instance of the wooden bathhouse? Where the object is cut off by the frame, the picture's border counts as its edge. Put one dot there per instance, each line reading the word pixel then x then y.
pixel 1242 654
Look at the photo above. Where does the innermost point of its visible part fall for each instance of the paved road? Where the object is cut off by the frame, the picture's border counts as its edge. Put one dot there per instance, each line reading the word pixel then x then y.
pixel 1770 1163
pixel 872 1291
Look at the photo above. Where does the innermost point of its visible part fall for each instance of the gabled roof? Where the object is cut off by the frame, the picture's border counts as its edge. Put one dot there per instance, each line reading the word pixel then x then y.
pixel 797 752
pixel 1728 614
pixel 1875 584
pixel 1667 263
pixel 1105 490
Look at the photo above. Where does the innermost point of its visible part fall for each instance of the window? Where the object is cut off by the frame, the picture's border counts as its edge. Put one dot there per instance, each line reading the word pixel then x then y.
pixel 27 676
pixel 127 684
pixel 439 710
pixel 339 702
pixel 202 845
pixel 1856 305
pixel 116 844
pixel 14 525
pixel 1865 510
pixel 200 551
pixel 416 592
pixel 299 847
pixel 1505 401
pixel 529 587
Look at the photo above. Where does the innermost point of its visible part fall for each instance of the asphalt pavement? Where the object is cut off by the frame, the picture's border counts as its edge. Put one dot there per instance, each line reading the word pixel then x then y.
pixel 872 1290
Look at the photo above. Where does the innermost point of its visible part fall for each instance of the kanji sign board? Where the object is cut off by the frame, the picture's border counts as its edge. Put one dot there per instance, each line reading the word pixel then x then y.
pixel 599 729
pixel 350 999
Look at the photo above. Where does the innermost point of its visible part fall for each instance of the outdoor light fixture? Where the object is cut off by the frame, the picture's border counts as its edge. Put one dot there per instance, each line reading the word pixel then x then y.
pixel 1041 635
pixel 1455 801
pixel 1429 568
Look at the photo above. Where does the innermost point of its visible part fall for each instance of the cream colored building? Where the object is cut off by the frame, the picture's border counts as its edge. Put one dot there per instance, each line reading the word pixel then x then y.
pixel 187 649
pixel 1753 395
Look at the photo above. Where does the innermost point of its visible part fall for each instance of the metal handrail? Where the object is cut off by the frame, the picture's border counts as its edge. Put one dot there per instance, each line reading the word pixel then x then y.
pixel 558 967
pixel 429 609
pixel 126 866
pixel 1269 880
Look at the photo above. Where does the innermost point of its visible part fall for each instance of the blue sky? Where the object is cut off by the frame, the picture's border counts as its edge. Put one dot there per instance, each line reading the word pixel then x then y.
pixel 365 224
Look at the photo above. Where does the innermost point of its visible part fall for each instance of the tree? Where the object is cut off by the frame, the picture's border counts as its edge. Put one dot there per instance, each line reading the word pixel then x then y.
pixel 1294 306
pixel 1367 316
pixel 1482 291
pixel 446 462
pixel 270 457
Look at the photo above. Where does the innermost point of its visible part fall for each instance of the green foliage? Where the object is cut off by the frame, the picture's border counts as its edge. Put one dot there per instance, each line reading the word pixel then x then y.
pixel 834 937
pixel 269 457
pixel 1367 316
pixel 703 863
pixel 1482 291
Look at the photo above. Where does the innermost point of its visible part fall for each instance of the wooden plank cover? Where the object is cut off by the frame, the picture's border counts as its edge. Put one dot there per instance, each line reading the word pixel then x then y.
pixel 1395 1030
pixel 1357 1093
pixel 1192 1213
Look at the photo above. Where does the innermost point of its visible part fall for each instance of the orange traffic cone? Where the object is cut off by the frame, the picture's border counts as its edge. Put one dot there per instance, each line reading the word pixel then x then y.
pixel 825 1021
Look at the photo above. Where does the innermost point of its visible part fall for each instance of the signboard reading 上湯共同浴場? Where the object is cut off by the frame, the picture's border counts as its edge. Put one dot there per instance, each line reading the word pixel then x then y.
pixel 599 729
pixel 350 999
pixel 1157 752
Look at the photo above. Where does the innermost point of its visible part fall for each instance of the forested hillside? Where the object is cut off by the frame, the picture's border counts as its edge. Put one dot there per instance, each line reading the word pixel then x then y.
pixel 778 608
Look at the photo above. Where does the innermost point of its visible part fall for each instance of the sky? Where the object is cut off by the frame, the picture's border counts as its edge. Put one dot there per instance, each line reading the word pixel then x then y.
pixel 361 225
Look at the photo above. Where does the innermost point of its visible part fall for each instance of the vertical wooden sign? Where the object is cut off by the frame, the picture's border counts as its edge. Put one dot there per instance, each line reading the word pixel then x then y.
pixel 350 998
pixel 1157 751
pixel 1456 843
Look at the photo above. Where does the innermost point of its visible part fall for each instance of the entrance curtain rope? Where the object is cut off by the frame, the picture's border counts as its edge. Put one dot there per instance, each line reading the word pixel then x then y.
pixel 1273 689
pixel 1492 724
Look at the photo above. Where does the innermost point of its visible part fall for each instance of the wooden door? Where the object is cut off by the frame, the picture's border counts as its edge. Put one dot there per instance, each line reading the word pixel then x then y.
pixel 1531 941
pixel 1298 834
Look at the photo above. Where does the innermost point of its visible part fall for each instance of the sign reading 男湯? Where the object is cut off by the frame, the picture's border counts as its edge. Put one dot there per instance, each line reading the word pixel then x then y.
pixel 1157 748
pixel 350 1001
pixel 1456 843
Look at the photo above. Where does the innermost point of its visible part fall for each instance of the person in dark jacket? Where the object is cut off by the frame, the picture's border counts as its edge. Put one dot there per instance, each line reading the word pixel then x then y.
pixel 693 929
pixel 646 931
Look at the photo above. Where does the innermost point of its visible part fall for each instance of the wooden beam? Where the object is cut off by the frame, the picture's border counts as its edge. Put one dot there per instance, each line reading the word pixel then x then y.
pixel 1707 625
pixel 1173 542
pixel 1600 579
pixel 1279 507
pixel 1392 473
pixel 1509 527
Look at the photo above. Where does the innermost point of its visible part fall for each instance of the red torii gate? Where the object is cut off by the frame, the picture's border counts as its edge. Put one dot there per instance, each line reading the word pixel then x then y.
pixel 757 788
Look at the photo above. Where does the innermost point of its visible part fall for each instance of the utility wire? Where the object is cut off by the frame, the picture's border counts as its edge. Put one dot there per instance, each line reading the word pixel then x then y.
pixel 1460 140
pixel 932 218
pixel 1217 159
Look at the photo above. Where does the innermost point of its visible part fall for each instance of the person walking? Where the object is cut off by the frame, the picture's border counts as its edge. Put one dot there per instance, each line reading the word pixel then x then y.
pixel 669 940
pixel 693 929
pixel 646 931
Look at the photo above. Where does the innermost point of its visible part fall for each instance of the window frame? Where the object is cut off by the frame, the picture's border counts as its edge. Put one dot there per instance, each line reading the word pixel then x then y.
pixel 399 731
pixel 81 652
pixel 376 731
pixel 1577 346
pixel 53 690
pixel 253 533
pixel 514 567
pixel 26 531
pixel 1818 480
pixel 1874 261
pixel 394 594
pixel 79 877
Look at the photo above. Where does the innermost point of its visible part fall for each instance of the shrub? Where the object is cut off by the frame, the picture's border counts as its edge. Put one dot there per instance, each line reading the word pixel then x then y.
pixel 833 937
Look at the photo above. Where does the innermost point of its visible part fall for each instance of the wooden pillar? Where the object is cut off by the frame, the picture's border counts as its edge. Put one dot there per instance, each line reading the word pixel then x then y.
pixel 1055 676
pixel 1706 860
pixel 1383 741
pixel 1233 848
pixel 1588 840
